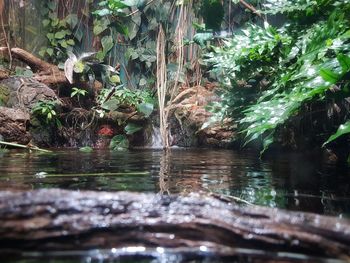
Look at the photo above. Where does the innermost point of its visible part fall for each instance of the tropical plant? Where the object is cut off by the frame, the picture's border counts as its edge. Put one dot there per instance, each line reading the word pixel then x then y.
pixel 76 92
pixel 46 110
pixel 62 34
pixel 275 78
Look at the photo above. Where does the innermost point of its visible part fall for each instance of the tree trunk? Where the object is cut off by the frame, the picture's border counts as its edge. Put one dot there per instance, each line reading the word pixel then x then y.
pixel 51 220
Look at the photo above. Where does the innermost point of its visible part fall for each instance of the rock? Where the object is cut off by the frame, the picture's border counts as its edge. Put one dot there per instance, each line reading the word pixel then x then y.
pixel 18 96
pixel 190 112
pixel 24 93
pixel 13 125
pixel 218 134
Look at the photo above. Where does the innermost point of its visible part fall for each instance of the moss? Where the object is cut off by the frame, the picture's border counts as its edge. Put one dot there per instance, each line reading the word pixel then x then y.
pixel 4 95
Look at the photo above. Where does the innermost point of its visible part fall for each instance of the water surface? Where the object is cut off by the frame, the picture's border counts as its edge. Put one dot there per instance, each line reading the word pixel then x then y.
pixel 291 181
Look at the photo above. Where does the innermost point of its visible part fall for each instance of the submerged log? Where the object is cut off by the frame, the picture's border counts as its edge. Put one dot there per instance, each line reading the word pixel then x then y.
pixel 51 220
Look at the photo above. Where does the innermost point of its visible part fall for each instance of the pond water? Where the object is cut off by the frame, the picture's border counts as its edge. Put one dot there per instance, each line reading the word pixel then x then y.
pixel 291 181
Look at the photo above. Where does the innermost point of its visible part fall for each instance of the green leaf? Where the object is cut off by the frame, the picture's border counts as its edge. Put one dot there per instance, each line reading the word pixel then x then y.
pixel 103 12
pixel 134 25
pixel 63 43
pixel 107 43
pixel 329 75
pixel 115 79
pixel 201 38
pixel 50 36
pixel 79 67
pixel 46 22
pixel 70 42
pixel 344 62
pixel 131 128
pixel 343 129
pixel 110 105
pixel 119 142
pixel 49 51
pixel 86 149
pixel 61 34
pixel 131 3
pixel 100 26
pixel 78 34
pixel 122 29
pixel 72 20
pixel 51 5
pixel 42 52
pixel 145 108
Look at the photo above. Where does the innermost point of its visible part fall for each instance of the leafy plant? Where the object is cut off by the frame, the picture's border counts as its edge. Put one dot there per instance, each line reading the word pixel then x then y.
pixel 119 142
pixel 85 67
pixel 76 92
pixel 86 149
pixel 274 77
pixel 121 97
pixel 46 110
pixel 62 34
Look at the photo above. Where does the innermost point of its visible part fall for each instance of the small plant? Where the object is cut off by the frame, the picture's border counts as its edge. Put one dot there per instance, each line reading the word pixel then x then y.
pixel 76 92
pixel 46 110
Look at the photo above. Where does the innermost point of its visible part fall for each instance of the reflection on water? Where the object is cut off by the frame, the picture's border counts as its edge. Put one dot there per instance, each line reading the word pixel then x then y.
pixel 289 181
pixel 167 255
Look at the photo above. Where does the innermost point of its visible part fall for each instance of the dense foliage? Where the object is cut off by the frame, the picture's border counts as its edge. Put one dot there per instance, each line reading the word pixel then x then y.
pixel 288 81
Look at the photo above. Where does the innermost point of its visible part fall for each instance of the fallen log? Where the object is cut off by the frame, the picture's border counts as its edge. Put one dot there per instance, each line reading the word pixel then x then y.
pixel 44 72
pixel 56 220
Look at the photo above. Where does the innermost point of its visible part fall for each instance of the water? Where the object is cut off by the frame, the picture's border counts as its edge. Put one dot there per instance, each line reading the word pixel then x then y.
pixel 156 139
pixel 296 182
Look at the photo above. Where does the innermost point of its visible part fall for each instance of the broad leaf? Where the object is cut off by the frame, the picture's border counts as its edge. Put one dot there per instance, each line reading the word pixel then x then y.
pixel 79 67
pixel 343 129
pixel 110 105
pixel 100 26
pixel 107 43
pixel 86 149
pixel 131 128
pixel 61 34
pixel 69 67
pixel 145 108
pixel 131 3
pixel 72 20
pixel 119 142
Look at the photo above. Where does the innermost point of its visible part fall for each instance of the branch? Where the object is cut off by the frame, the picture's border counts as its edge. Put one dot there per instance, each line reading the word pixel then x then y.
pixel 34 148
pixel 36 64
pixel 251 8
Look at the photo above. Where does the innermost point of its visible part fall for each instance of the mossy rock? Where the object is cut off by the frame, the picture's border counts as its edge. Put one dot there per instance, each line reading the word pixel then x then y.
pixel 4 95
pixel 24 93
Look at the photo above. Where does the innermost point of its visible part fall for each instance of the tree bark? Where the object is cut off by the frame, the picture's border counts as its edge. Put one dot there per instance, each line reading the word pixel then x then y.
pixel 51 220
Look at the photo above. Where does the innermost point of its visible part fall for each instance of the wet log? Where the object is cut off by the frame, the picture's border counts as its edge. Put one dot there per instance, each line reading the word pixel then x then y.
pixel 51 220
